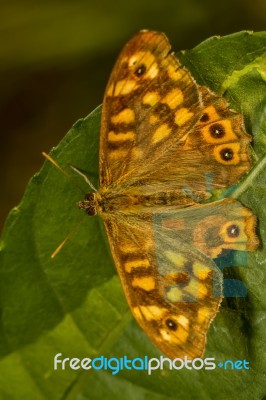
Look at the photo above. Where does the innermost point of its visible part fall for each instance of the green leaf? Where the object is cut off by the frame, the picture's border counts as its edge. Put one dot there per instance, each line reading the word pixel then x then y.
pixel 73 304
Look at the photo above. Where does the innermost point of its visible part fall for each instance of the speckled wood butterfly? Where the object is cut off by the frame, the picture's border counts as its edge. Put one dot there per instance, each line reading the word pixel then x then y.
pixel 162 138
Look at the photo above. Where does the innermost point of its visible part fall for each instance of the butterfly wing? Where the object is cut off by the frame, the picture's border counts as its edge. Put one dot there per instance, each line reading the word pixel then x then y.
pixel 161 133
pixel 171 283
pixel 143 80
pixel 173 292
pixel 159 126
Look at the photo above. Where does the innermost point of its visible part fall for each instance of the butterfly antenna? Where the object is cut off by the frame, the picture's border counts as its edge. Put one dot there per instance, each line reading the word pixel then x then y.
pixel 59 248
pixel 86 179
pixel 49 158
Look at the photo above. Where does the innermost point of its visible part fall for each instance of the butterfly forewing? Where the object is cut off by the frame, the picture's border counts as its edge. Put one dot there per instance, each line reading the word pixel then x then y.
pixel 148 97
pixel 156 116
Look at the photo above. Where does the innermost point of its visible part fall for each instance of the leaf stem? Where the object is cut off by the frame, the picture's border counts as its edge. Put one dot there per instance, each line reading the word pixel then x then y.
pixel 258 167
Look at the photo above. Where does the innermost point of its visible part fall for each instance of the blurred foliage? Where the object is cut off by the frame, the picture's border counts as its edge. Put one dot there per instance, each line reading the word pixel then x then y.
pixel 56 57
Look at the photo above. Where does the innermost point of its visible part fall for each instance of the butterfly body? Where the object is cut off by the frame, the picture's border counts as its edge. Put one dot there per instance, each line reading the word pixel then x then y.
pixel 165 144
pixel 108 203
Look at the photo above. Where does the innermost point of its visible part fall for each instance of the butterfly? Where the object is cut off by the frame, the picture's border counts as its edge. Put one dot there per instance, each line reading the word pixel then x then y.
pixel 163 138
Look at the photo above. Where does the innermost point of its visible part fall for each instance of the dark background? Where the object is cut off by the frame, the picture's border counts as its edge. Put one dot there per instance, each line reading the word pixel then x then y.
pixel 56 56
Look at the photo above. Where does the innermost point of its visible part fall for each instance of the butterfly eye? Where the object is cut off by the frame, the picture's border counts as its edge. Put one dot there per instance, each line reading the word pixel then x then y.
pixel 140 70
pixel 88 204
pixel 171 324
pixel 227 154
pixel 89 196
pixel 91 211
pixel 233 231
pixel 217 131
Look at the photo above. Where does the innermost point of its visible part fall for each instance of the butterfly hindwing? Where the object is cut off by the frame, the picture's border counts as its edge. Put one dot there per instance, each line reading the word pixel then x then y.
pixel 174 295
